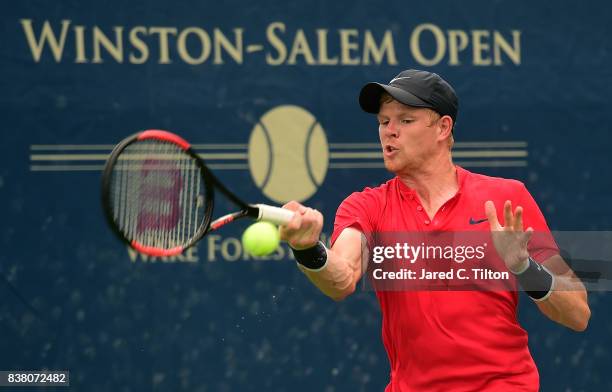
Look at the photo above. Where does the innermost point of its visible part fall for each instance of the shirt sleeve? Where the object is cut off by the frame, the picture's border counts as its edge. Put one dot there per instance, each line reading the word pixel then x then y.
pixel 359 211
pixel 542 245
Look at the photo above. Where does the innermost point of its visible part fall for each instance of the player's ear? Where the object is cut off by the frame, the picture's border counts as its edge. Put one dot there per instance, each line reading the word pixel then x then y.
pixel 445 127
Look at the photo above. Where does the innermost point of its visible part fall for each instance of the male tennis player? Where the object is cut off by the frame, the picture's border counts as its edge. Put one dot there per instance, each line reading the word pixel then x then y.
pixel 441 340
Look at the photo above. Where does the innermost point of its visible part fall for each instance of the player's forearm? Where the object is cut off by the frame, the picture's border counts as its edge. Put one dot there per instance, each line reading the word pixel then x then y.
pixel 567 304
pixel 337 279
pixel 343 266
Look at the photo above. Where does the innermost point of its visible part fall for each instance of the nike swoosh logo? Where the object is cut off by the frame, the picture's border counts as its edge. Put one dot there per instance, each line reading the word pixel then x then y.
pixel 403 77
pixel 475 222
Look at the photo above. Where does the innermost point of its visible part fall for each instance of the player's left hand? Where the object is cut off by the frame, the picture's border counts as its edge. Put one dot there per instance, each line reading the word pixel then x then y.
pixel 510 240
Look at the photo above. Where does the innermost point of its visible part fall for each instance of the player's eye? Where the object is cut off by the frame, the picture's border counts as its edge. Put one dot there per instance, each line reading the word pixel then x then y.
pixel 406 121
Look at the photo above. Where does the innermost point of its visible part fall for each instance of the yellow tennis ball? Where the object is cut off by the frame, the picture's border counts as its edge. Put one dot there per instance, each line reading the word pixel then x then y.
pixel 261 239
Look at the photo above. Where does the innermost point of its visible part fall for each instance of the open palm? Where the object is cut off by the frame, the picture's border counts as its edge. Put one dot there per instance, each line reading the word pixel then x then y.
pixel 510 240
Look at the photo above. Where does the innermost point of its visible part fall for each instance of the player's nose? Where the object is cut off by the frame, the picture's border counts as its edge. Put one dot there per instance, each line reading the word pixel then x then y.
pixel 391 130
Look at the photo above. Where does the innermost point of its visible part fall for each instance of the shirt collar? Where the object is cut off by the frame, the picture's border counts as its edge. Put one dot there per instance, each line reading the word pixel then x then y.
pixel 462 175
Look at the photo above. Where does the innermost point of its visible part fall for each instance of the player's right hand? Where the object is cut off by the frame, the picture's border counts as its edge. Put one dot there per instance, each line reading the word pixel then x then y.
pixel 304 230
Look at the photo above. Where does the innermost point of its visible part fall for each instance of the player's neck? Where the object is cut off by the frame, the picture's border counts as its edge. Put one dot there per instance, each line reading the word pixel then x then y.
pixel 434 182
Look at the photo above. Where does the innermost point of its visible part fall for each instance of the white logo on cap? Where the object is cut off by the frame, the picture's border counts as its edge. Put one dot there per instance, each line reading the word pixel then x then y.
pixel 403 77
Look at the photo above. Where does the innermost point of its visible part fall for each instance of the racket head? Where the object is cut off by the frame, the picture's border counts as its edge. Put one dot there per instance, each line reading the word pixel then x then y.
pixel 157 194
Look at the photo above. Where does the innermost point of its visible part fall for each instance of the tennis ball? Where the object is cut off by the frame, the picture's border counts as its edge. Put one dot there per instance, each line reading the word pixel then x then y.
pixel 261 238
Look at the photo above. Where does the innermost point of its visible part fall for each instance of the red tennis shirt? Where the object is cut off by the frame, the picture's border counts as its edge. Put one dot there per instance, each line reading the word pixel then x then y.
pixel 450 340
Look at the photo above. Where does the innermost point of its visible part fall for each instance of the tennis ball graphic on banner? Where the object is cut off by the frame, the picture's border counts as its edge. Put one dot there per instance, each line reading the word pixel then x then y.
pixel 288 154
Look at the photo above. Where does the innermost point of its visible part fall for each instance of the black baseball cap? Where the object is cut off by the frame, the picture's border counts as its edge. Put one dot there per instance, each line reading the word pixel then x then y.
pixel 413 88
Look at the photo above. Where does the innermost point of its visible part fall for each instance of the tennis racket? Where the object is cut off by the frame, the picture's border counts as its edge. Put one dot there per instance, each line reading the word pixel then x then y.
pixel 158 195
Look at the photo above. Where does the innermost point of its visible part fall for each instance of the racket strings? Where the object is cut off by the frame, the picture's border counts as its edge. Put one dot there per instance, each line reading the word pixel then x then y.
pixel 157 194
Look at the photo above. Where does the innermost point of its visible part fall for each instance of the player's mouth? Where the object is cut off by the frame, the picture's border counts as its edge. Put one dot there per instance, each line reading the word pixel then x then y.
pixel 389 150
